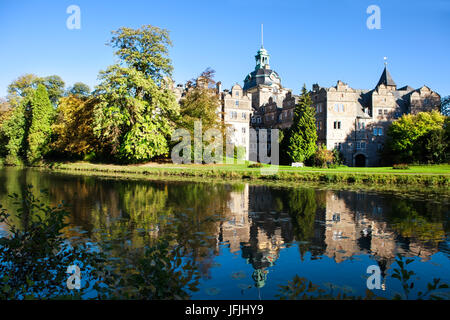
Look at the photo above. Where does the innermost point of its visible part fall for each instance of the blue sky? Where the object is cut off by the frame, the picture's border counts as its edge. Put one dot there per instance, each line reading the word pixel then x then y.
pixel 309 41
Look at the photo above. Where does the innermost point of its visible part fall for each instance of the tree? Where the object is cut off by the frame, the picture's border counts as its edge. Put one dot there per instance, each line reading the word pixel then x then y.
pixel 73 132
pixel 55 87
pixel 200 103
pixel 134 118
pixel 13 132
pixel 26 84
pixel 414 138
pixel 136 111
pixel 80 90
pixel 21 88
pixel 40 116
pixel 302 135
pixel 145 50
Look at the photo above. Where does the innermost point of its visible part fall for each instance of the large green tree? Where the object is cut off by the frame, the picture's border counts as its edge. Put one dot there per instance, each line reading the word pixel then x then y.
pixel 80 90
pixel 144 49
pixel 27 130
pixel 25 85
pixel 13 135
pixel 55 87
pixel 137 111
pixel 40 117
pixel 417 138
pixel 302 135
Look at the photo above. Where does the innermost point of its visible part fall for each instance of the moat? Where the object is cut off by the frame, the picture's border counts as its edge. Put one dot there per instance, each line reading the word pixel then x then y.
pixel 260 237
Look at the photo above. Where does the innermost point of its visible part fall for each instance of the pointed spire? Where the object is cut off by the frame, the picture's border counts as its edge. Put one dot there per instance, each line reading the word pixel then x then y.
pixel 386 78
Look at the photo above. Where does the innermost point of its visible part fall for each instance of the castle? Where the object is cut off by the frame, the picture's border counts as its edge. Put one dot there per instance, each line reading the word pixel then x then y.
pixel 354 121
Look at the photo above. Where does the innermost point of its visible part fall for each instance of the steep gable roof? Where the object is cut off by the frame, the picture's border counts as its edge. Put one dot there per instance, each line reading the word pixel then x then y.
pixel 386 78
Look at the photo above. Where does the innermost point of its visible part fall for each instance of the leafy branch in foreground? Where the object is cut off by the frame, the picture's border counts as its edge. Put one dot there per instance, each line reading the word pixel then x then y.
pixel 35 256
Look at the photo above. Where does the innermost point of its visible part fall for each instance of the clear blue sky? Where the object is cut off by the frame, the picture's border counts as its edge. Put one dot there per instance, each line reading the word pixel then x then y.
pixel 309 41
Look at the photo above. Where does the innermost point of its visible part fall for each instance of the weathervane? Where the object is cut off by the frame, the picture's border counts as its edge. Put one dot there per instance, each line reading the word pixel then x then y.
pixel 385 61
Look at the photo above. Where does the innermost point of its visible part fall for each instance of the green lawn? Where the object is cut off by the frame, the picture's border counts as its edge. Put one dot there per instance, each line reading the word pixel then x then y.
pixel 443 169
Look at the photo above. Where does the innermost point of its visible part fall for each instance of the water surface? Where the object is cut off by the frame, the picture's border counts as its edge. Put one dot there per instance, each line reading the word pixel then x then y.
pixel 262 236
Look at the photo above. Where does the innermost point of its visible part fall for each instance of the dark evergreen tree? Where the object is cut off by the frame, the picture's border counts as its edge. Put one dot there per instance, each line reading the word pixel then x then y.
pixel 302 136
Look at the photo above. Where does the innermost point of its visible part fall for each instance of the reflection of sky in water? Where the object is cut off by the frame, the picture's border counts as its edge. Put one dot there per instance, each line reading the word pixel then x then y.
pixel 348 276
pixel 267 235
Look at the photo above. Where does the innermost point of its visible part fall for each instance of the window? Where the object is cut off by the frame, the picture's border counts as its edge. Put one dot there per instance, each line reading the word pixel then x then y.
pixel 385 111
pixel 338 145
pixel 243 130
pixel 380 112
pixel 336 217
pixel 244 115
pixel 360 145
pixel 237 93
pixel 337 125
pixel 237 102
pixel 336 107
pixel 377 131
pixel 361 126
pixel 342 108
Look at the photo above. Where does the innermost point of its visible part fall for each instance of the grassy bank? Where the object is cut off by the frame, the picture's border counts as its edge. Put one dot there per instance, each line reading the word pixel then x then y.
pixel 437 175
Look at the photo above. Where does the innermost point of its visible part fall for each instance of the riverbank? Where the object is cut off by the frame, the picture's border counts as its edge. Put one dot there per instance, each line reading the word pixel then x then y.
pixel 436 175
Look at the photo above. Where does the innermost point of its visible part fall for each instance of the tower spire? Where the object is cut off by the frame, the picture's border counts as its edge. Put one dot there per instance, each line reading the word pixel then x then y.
pixel 385 62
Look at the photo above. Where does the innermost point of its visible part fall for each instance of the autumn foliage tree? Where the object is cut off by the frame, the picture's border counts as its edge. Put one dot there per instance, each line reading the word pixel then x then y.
pixel 73 133
pixel 201 102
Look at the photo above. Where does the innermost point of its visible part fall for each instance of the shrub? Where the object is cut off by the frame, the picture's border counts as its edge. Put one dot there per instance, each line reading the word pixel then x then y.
pixel 255 165
pixel 400 166
pixel 323 157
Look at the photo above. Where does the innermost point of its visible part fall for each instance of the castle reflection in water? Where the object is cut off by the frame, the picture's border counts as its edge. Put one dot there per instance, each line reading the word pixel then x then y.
pixel 262 221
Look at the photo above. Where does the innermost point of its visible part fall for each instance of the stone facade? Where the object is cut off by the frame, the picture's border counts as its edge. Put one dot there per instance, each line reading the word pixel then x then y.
pixel 354 121
pixel 236 111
